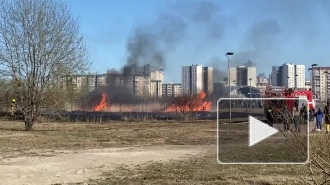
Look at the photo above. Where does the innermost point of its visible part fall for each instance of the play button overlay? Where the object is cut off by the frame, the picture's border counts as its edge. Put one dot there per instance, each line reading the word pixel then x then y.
pixel 244 134
pixel 259 131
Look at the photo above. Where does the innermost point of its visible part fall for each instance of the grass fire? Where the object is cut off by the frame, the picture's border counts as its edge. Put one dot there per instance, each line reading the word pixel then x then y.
pixel 176 104
pixel 103 104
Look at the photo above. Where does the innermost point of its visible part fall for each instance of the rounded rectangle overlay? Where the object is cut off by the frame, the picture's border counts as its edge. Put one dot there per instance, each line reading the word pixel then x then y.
pixel 236 153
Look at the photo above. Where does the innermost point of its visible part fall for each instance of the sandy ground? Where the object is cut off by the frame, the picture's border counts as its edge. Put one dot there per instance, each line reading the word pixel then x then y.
pixel 77 166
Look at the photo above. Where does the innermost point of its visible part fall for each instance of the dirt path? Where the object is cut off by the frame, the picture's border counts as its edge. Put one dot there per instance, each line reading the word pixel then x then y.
pixel 77 166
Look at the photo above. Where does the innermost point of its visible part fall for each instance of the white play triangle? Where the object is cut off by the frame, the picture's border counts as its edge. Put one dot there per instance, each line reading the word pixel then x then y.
pixel 259 131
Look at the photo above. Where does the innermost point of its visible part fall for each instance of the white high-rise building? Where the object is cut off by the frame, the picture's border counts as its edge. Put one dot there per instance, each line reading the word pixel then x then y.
pixel 251 73
pixel 192 79
pixel 289 75
pixel 241 75
pixel 300 80
pixel 233 76
pixel 197 79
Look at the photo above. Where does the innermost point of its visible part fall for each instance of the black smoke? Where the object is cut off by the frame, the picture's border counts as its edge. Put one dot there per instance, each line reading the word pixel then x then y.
pixel 150 44
pixel 219 69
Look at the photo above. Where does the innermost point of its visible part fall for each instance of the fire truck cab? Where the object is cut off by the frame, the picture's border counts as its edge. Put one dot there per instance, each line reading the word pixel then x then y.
pixel 279 105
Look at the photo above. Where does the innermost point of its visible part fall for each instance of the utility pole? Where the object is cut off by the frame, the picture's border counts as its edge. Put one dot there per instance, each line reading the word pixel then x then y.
pixel 250 79
pixel 227 55
pixel 326 85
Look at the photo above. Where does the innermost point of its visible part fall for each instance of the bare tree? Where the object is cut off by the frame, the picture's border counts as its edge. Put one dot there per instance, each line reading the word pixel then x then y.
pixel 40 43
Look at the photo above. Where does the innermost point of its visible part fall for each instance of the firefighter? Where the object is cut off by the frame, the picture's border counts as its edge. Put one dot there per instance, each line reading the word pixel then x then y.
pixel 304 112
pixel 327 117
pixel 286 116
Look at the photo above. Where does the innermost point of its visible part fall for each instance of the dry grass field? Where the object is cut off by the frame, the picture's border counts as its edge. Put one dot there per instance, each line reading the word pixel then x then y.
pixel 133 153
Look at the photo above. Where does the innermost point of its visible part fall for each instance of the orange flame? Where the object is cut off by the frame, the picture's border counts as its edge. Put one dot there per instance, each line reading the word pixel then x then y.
pixel 103 104
pixel 197 103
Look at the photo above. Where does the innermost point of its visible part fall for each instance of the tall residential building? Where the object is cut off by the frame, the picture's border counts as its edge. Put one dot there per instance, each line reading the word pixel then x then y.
pixel 151 78
pixel 300 80
pixel 321 83
pixel 84 83
pixel 277 76
pixel 289 75
pixel 233 76
pixel 208 79
pixel 241 75
pixel 141 86
pixel 157 79
pixel 196 79
pixel 143 81
pixel 172 89
pixel 192 79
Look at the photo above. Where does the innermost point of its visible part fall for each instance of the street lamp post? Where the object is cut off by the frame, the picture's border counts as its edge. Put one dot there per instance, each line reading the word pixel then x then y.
pixel 227 55
pixel 326 85
pixel 250 79
pixel 313 75
pixel 310 76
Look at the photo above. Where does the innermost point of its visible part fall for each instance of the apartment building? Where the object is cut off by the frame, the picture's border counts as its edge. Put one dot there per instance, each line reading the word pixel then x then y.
pixel 241 75
pixel 156 88
pixel 172 89
pixel 196 79
pixel 208 80
pixel 157 79
pixel 277 76
pixel 233 76
pixel 321 83
pixel 300 78
pixel 289 75
pixel 141 87
pixel 136 76
pixel 84 83
pixel 192 79
pixel 143 81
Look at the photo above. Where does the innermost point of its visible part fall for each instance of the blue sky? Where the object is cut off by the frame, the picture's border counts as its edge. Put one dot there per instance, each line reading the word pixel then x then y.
pixel 265 32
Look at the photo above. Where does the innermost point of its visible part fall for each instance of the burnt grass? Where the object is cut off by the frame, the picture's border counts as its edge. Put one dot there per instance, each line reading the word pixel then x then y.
pixel 85 116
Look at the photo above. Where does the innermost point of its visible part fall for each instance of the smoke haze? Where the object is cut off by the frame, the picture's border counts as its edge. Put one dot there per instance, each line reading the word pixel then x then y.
pixel 209 26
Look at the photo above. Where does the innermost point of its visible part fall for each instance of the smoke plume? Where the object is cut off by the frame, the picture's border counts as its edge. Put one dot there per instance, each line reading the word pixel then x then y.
pixel 152 44
pixel 149 45
pixel 204 14
pixel 219 69
pixel 260 42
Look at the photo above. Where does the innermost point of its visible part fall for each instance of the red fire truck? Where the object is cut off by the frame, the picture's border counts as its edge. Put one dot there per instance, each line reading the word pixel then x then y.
pixel 278 106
